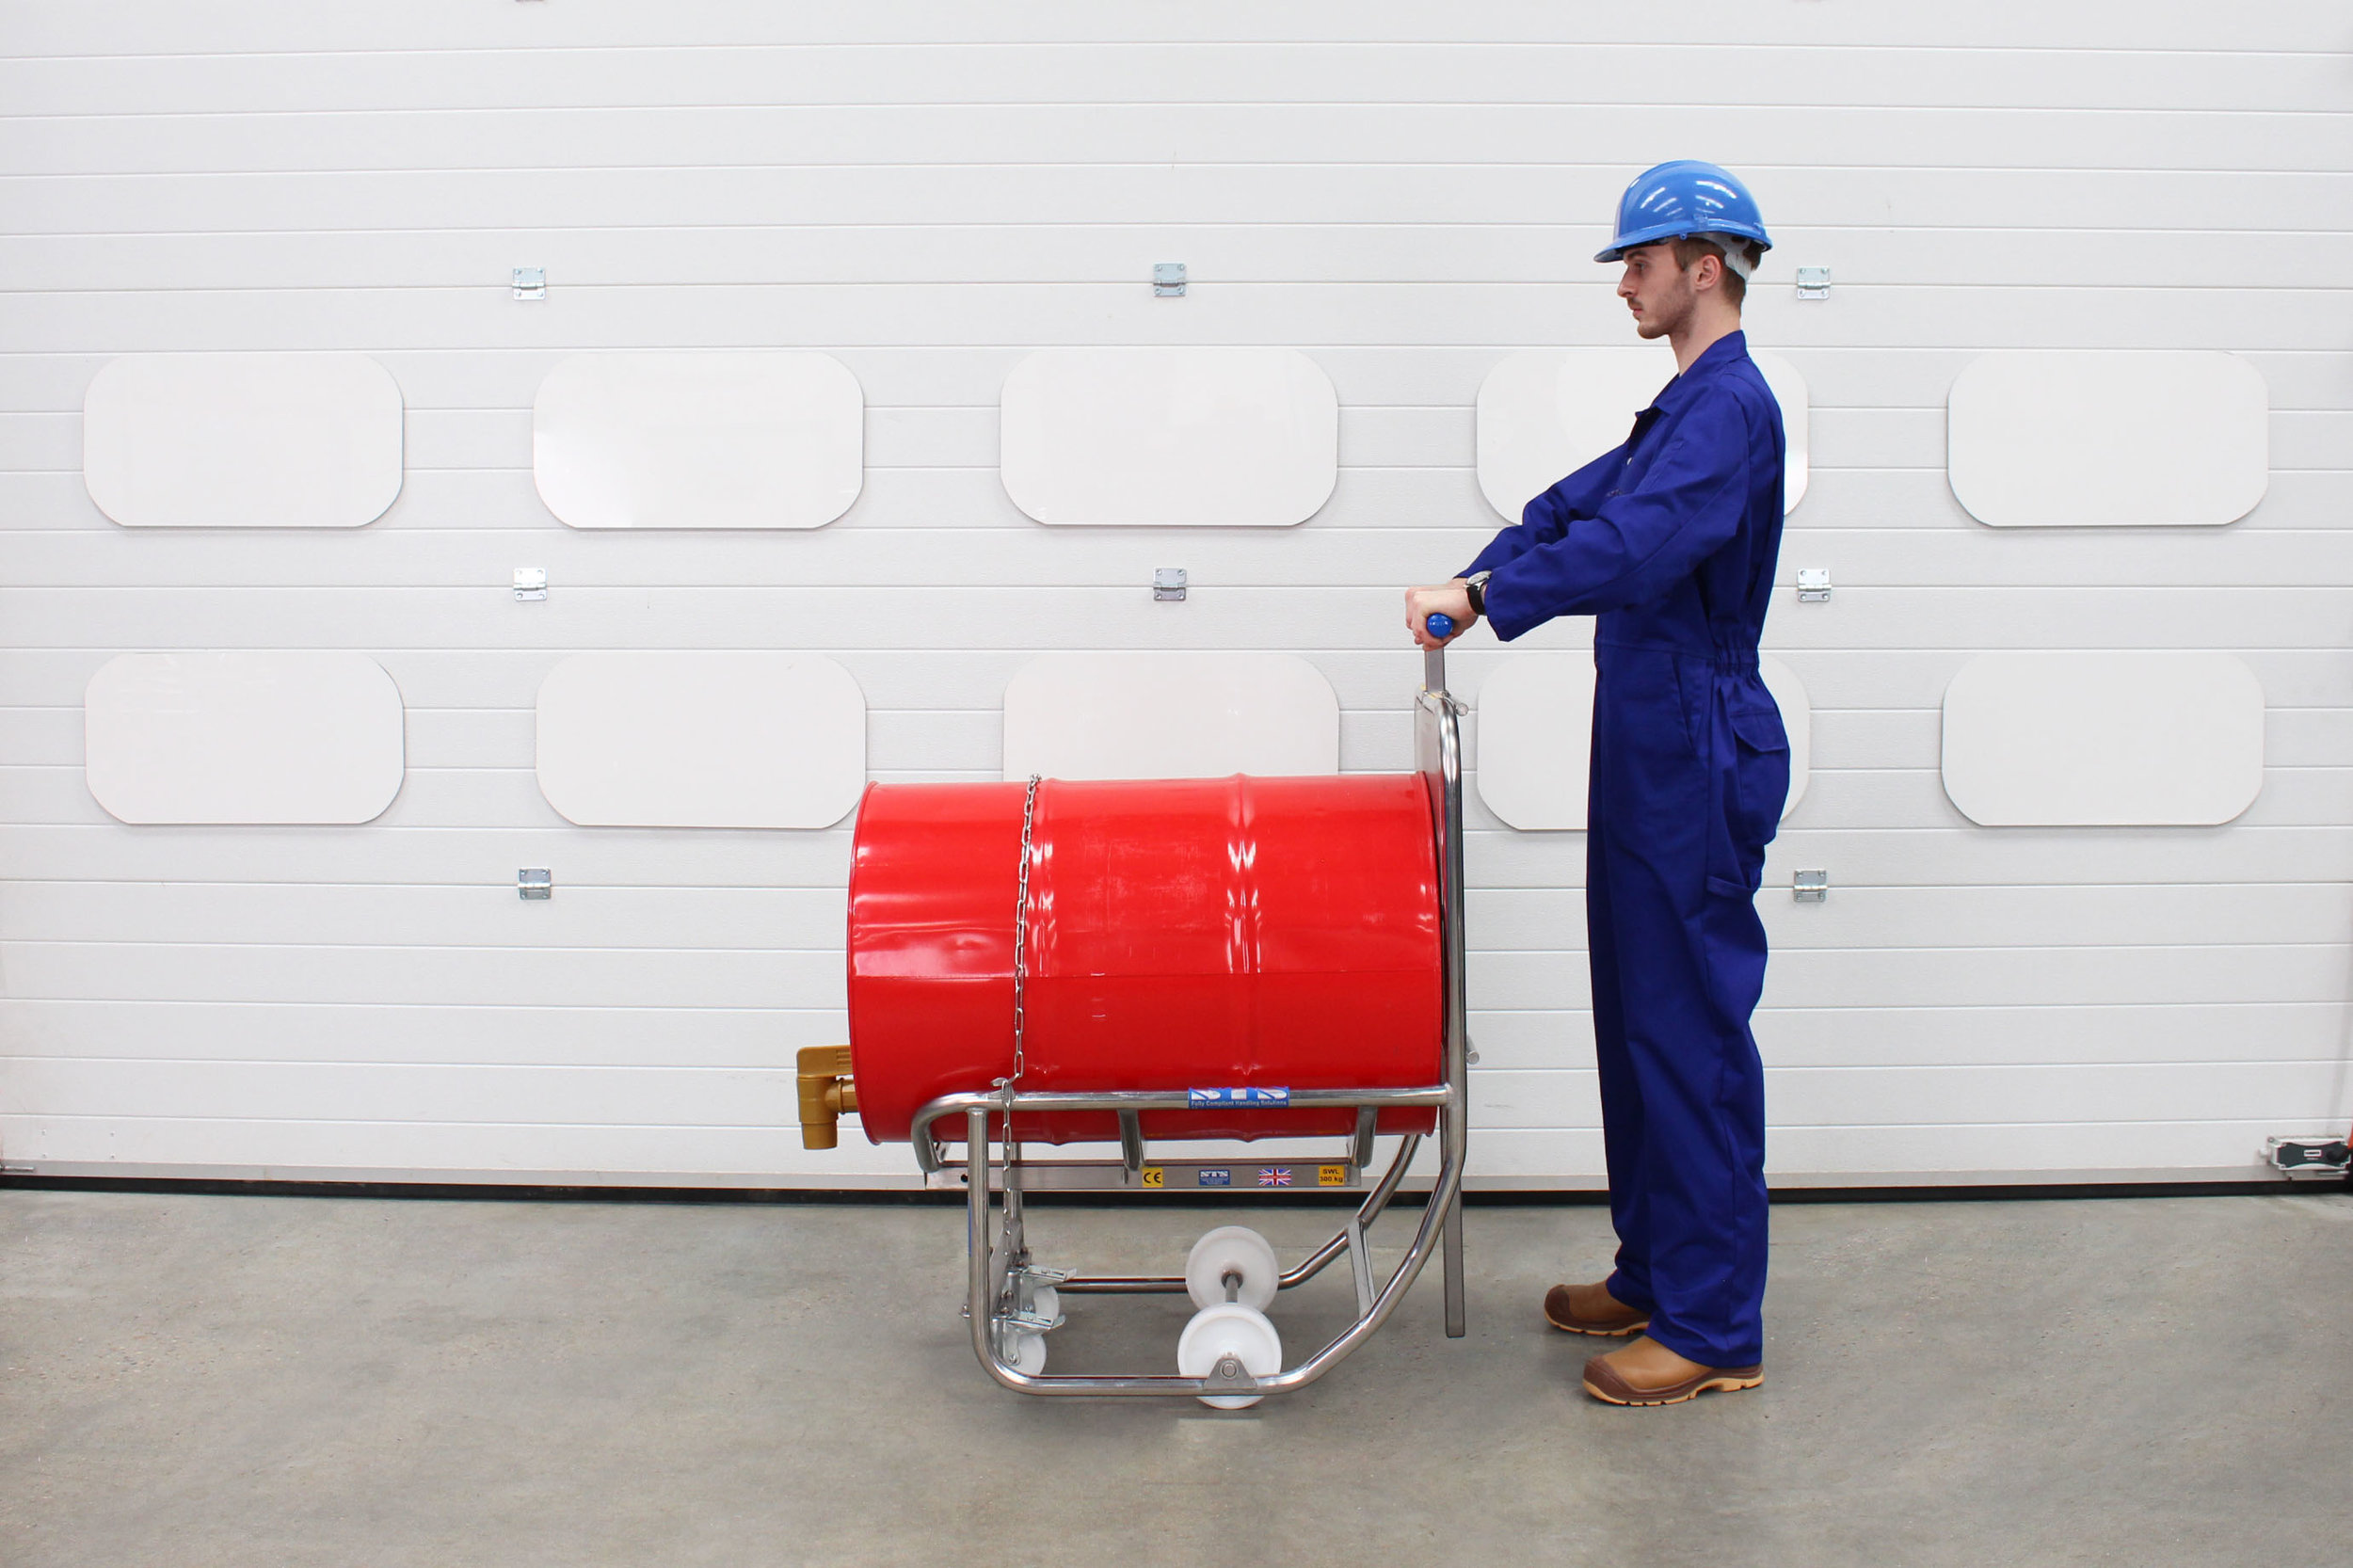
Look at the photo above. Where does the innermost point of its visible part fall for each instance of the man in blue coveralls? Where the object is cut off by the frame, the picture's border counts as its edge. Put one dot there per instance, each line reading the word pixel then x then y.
pixel 1670 540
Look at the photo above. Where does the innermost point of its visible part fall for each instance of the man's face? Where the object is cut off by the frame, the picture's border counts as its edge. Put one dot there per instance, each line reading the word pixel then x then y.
pixel 1660 293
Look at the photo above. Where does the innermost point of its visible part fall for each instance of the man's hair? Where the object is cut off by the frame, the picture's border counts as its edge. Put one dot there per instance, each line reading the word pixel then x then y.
pixel 1690 247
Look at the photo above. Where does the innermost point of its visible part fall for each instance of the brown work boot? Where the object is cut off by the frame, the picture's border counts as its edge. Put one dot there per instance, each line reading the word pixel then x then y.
pixel 1591 1309
pixel 1648 1372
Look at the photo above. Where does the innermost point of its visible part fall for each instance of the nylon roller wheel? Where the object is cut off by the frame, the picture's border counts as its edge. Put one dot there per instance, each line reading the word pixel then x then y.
pixel 1026 1352
pixel 1046 1303
pixel 1232 1329
pixel 1232 1249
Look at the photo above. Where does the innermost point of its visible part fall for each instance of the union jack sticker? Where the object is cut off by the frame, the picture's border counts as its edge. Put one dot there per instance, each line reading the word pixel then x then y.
pixel 1275 1175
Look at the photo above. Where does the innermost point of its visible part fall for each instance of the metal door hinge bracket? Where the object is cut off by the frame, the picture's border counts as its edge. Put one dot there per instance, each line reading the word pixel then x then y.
pixel 1168 584
pixel 531 282
pixel 531 583
pixel 1814 584
pixel 1168 279
pixel 1809 887
pixel 534 882
pixel 1812 282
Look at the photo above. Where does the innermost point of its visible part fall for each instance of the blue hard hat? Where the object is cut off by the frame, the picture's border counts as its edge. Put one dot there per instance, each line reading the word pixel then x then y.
pixel 1686 197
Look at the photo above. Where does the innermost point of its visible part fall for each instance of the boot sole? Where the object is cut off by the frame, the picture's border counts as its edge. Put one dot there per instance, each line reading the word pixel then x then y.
pixel 1728 1385
pixel 1625 1333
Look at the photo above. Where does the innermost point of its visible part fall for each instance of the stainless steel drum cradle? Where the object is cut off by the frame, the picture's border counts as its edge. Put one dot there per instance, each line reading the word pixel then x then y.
pixel 1012 1303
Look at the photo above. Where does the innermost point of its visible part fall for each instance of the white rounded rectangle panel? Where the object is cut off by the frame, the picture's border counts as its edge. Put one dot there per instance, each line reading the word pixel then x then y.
pixel 1533 749
pixel 307 738
pixel 242 440
pixel 2108 439
pixel 2141 738
pixel 1170 715
pixel 704 438
pixel 701 740
pixel 1543 413
pixel 1170 438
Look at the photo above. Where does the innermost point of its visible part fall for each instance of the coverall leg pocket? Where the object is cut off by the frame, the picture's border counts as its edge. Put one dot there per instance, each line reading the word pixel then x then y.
pixel 1760 782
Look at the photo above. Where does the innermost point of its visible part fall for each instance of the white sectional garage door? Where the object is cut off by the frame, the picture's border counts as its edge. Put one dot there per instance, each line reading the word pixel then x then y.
pixel 270 396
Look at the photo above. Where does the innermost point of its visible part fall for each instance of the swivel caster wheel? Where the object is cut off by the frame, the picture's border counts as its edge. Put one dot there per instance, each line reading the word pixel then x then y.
pixel 1046 1301
pixel 1025 1352
pixel 1229 1329
pixel 1237 1251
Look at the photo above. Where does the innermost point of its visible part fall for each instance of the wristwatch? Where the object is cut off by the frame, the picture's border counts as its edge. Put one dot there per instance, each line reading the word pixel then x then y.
pixel 1476 586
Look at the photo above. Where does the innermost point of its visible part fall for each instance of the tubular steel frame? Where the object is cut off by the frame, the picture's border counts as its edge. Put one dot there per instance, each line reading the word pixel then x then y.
pixel 1002 1281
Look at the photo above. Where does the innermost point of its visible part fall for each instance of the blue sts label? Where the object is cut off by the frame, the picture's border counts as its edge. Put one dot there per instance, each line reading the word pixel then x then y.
pixel 1217 1178
pixel 1211 1099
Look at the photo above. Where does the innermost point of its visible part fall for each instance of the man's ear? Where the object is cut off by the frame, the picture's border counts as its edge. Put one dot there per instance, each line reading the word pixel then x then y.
pixel 1699 275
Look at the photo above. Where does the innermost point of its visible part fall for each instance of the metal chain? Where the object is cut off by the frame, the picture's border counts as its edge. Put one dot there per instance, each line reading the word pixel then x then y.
pixel 1022 937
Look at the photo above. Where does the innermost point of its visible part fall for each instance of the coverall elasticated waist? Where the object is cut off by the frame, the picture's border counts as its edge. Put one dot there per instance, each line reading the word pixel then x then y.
pixel 1671 540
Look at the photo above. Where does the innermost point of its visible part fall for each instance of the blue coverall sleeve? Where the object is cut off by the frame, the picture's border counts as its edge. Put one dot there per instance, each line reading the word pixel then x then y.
pixel 1543 519
pixel 1627 548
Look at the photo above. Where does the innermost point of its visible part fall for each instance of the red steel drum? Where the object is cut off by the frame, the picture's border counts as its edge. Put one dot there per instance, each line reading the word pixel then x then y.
pixel 1210 933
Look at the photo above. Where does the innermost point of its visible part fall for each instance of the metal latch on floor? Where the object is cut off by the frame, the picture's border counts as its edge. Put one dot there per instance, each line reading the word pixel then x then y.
pixel 2321 1156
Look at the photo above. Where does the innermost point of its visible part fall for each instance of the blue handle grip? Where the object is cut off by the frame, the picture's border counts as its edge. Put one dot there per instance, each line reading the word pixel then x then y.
pixel 1440 627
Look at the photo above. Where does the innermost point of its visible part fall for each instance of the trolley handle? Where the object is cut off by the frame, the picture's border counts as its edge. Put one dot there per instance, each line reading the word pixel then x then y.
pixel 1433 659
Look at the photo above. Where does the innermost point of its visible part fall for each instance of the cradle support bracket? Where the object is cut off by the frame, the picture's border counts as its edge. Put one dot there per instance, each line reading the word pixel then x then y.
pixel 1360 1264
pixel 1450 1250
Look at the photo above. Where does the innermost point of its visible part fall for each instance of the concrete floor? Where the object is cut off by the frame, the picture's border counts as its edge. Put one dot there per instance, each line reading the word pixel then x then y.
pixel 195 1380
